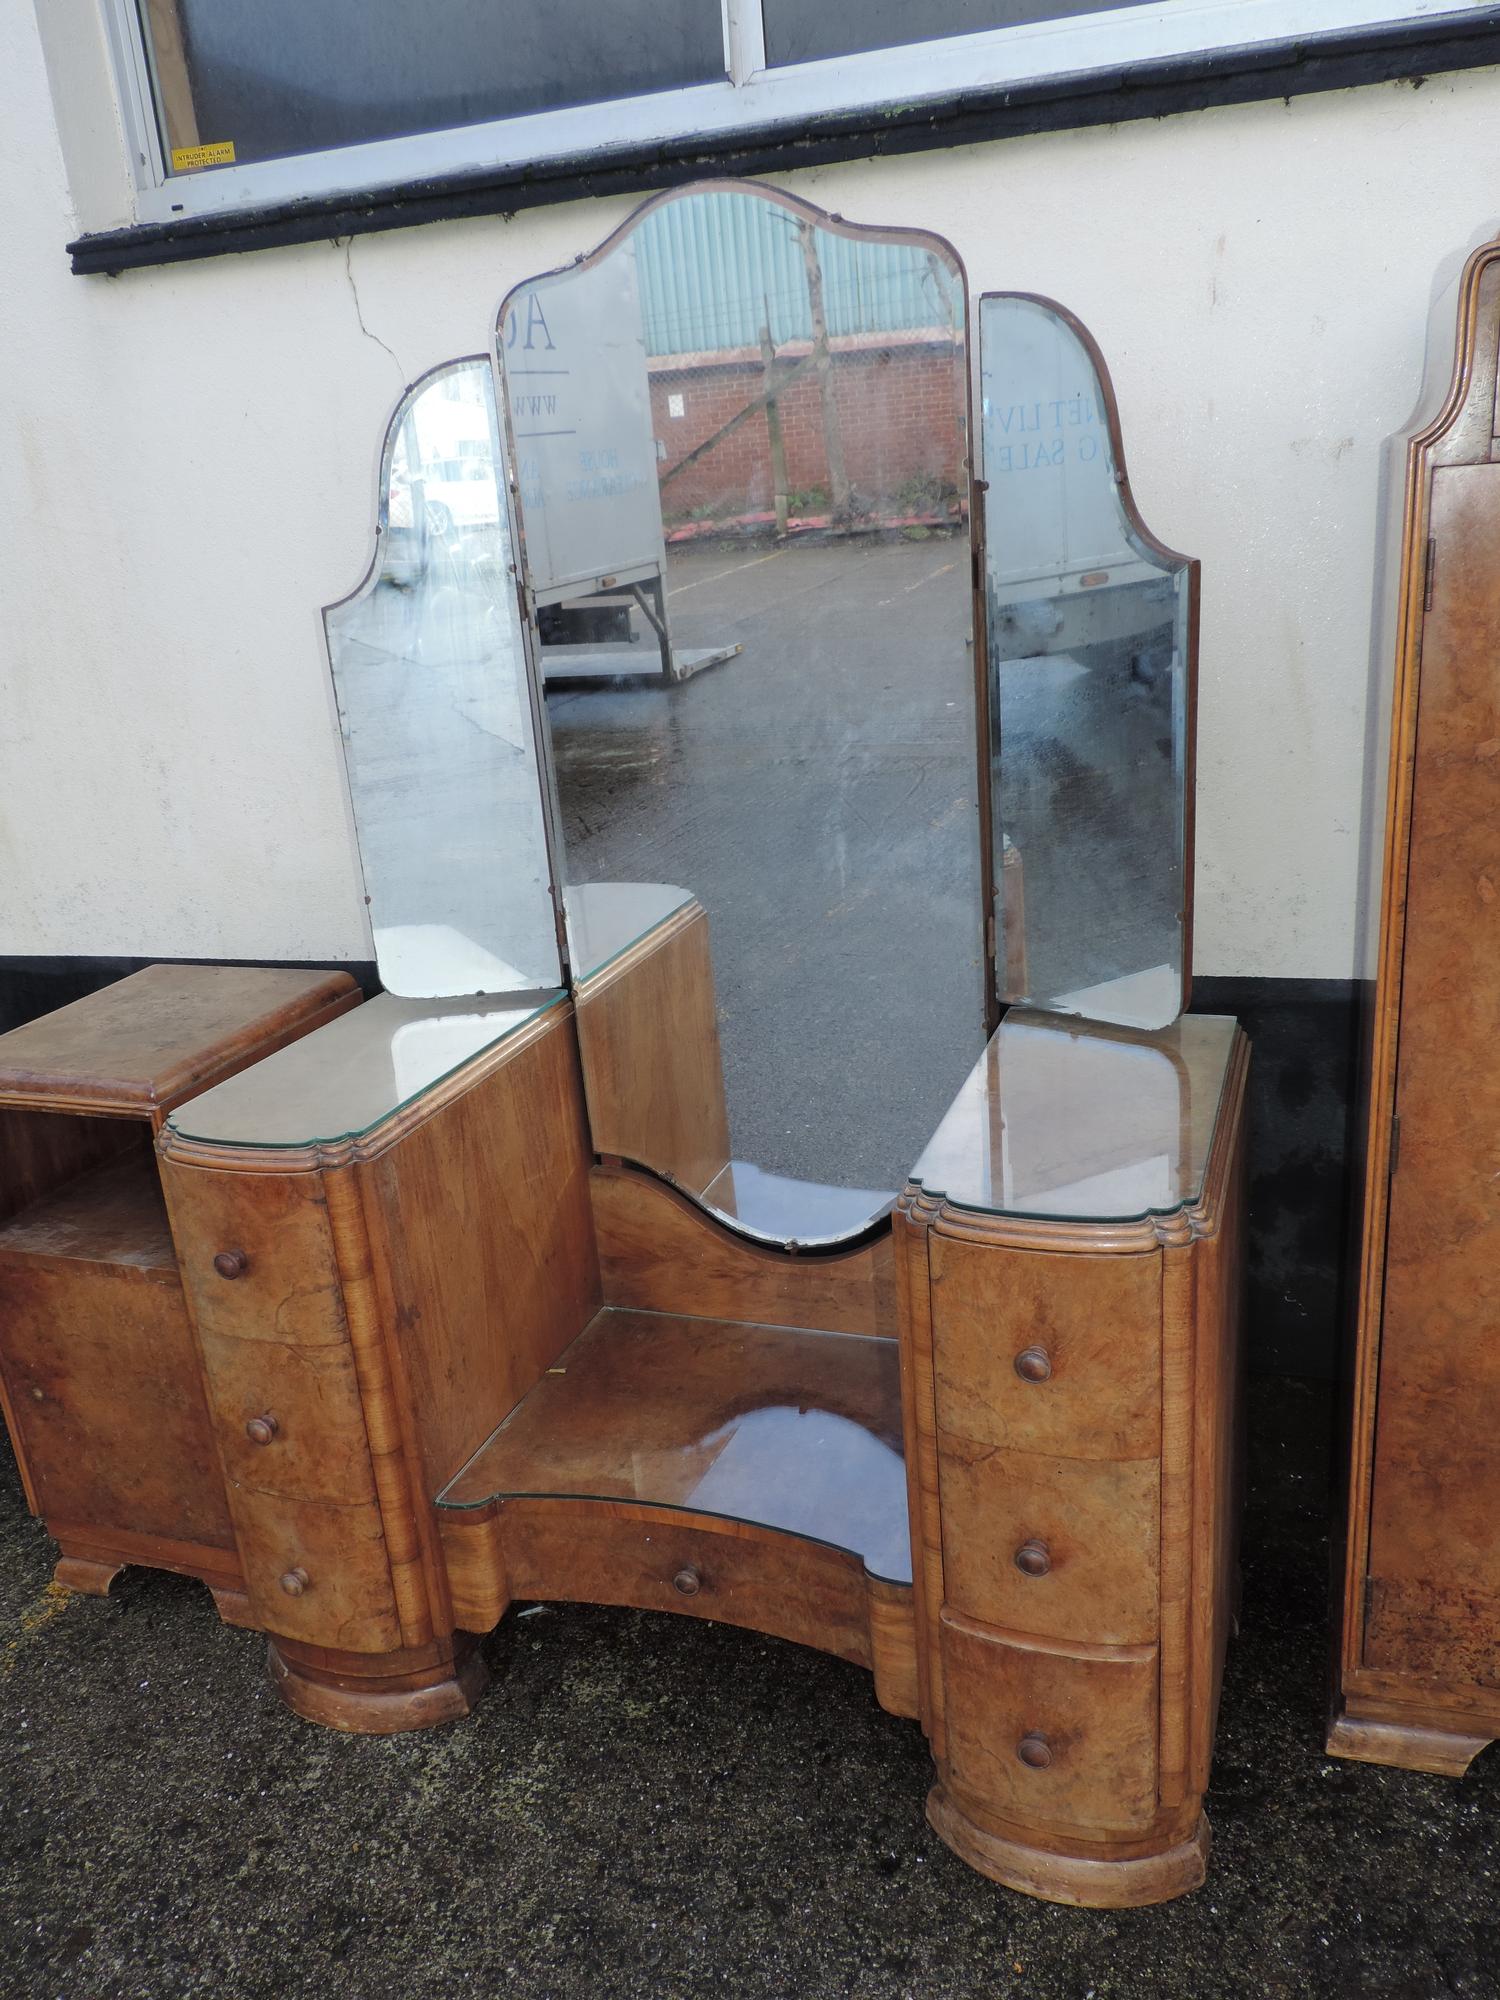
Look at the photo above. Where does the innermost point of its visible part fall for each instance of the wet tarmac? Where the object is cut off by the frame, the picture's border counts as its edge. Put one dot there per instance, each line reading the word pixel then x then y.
pixel 657 1807
pixel 817 793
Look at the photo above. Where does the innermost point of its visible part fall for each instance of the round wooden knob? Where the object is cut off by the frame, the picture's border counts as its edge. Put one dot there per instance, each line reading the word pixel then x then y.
pixel 1034 1750
pixel 295 1582
pixel 1033 1364
pixel 231 1263
pixel 261 1430
pixel 687 1581
pixel 1033 1559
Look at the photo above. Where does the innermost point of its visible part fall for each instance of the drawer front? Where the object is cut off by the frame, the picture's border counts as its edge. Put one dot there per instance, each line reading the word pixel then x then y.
pixel 333 1557
pixel 277 1279
pixel 289 1419
pixel 599 1553
pixel 1048 1735
pixel 1047 1353
pixel 1066 1548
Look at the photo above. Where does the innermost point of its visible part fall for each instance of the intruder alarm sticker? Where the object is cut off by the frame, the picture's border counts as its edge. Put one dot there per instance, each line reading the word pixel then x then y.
pixel 186 158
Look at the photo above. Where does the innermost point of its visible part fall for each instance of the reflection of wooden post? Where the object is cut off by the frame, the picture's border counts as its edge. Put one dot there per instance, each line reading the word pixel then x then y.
pixel 833 437
pixel 173 81
pixel 1013 915
pixel 773 428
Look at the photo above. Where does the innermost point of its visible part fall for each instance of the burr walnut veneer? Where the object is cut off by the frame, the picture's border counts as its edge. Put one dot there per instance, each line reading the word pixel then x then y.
pixel 100 1381
pixel 1418 1675
pixel 411 1352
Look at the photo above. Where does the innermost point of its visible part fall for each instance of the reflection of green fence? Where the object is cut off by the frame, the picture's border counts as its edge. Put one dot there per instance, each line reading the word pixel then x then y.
pixel 715 268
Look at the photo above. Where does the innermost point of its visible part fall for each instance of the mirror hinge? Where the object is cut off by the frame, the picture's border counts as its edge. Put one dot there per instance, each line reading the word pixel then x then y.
pixel 1429 565
pixel 1395 1150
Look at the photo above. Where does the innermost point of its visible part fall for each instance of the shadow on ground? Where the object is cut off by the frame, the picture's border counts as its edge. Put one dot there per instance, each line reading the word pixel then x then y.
pixel 648 1805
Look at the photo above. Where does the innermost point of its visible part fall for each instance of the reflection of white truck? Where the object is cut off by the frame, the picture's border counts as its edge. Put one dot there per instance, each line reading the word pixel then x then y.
pixel 1064 570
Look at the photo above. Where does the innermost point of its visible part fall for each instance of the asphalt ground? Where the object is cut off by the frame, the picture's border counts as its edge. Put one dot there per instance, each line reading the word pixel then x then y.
pixel 648 1805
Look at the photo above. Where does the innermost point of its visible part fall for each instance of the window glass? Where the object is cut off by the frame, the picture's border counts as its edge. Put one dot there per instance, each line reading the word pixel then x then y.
pixel 798 33
pixel 236 84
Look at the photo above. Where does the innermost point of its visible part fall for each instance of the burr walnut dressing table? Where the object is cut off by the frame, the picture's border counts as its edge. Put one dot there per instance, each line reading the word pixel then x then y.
pixel 588 1261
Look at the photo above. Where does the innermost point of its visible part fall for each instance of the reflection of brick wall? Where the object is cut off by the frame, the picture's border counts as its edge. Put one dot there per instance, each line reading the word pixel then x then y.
pixel 900 413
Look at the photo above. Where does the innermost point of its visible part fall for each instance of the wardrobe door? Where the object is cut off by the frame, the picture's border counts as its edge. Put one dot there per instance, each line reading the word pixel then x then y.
pixel 1433 1604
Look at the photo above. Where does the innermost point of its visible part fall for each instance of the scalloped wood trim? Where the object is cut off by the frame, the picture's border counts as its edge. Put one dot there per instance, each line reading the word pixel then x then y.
pixel 1138 1237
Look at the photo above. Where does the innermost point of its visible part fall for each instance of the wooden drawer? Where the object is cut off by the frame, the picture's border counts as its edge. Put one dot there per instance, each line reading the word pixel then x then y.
pixel 310 1441
pixel 1088 1327
pixel 613 1552
pixel 346 1600
pixel 1089 1720
pixel 1063 1547
pixel 288 1286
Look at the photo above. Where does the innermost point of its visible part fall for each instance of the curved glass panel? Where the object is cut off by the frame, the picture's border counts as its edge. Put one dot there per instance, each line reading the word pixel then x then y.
pixel 1070 1121
pixel 350 1075
pixel 1089 628
pixel 780 1427
pixel 430 673
pixel 740 452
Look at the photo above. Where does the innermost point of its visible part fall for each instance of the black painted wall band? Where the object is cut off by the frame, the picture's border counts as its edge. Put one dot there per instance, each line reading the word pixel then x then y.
pixel 1303 1035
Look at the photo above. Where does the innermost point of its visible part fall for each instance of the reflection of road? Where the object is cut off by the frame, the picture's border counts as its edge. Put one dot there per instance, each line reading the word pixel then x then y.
pixel 431 690
pixel 1086 757
pixel 818 795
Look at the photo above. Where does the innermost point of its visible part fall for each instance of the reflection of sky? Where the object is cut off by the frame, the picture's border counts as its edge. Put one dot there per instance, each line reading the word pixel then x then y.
pixel 840 1490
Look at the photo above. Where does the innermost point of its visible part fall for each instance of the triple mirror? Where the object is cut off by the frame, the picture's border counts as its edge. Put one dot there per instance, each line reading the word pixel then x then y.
pixel 670 652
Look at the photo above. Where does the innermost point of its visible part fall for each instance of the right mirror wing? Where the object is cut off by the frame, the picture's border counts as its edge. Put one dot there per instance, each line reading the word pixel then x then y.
pixel 1091 628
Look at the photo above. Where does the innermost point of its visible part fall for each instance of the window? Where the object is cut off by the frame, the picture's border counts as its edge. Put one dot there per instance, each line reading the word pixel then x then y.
pixel 235 108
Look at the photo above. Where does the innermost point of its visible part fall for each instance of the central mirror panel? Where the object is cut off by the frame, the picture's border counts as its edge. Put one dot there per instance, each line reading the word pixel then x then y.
pixel 1091 634
pixel 739 438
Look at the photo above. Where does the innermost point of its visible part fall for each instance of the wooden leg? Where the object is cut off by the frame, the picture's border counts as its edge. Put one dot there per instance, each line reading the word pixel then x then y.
pixel 1409 1746
pixel 83 1573
pixel 1106 1878
pixel 379 1694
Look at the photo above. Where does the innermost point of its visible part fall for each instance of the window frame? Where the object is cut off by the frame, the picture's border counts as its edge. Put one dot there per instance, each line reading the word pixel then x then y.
pixel 852 104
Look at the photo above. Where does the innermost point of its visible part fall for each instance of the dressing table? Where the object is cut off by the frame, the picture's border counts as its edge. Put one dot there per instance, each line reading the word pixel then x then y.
pixel 589 1260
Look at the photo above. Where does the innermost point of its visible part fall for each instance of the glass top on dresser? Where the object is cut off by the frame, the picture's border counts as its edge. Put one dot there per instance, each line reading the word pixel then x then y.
pixel 607 918
pixel 1066 1120
pixel 344 1079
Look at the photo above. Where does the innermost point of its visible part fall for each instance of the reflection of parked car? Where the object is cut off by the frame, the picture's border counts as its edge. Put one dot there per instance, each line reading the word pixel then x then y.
pixel 461 493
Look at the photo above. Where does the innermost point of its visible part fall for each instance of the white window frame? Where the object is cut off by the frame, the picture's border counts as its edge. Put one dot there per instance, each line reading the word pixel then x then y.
pixel 752 98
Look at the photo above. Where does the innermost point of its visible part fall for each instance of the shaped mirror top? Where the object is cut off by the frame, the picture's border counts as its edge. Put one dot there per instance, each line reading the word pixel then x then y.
pixel 1091 636
pixel 434 702
pixel 739 436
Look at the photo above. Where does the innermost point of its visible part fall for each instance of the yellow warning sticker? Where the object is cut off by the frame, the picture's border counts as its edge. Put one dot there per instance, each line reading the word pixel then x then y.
pixel 186 158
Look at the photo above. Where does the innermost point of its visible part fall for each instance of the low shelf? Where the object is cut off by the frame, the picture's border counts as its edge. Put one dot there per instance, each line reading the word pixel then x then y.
pixel 112 1214
pixel 774 1427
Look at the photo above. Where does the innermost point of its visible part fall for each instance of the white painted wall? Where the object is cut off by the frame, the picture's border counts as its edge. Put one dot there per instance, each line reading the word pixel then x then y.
pixel 189 468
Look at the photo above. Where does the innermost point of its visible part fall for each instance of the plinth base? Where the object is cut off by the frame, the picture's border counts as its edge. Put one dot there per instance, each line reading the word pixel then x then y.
pixel 376 1696
pixel 1089 1881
